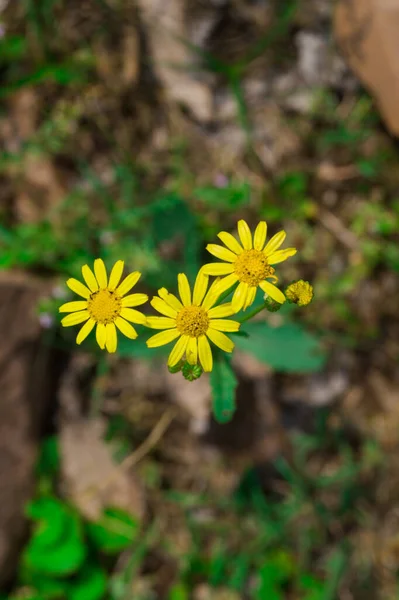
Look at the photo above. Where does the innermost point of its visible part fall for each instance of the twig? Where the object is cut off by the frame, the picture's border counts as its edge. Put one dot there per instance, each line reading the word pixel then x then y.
pixel 151 441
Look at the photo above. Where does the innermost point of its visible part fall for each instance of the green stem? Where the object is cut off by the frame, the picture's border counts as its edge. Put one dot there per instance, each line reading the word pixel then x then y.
pixel 225 294
pixel 251 314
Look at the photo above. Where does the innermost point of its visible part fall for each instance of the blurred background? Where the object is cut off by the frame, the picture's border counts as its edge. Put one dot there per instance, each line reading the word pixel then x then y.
pixel 137 130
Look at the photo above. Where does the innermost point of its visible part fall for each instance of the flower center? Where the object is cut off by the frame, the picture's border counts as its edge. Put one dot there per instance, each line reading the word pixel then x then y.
pixel 252 267
pixel 104 306
pixel 192 321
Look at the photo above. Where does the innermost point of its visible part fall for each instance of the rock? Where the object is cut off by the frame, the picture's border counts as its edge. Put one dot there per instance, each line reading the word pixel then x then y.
pixel 27 387
pixel 367 32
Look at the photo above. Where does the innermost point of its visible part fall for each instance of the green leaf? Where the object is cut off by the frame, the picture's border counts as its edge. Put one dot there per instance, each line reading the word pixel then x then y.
pixel 288 347
pixel 47 587
pixel 56 547
pixel 178 591
pixel 272 575
pixel 51 520
pixel 223 383
pixel 13 47
pixel 114 532
pixel 172 218
pixel 49 459
pixel 233 195
pixel 90 584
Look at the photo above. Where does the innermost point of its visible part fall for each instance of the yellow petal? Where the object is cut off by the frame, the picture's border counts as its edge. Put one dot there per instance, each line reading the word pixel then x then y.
pixel 101 335
pixel 250 296
pixel 75 318
pixel 128 283
pixel 160 322
pixel 184 289
pixel 218 269
pixel 231 242
pixel 192 351
pixel 226 283
pixel 245 234
pixel 211 297
pixel 85 330
pixel 224 310
pixel 73 306
pixel 200 287
pixel 78 288
pixel 224 325
pixel 111 339
pixel 170 299
pixel 135 316
pixel 89 278
pixel 205 353
pixel 100 272
pixel 125 327
pixel 116 274
pixel 274 243
pixel 162 338
pixel 272 291
pixel 163 308
pixel 178 350
pixel 280 256
pixel 239 297
pixel 134 300
pixel 221 340
pixel 221 252
pixel 260 235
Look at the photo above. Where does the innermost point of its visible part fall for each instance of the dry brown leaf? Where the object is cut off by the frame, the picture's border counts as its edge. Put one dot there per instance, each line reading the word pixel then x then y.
pixel 367 32
pixel 93 479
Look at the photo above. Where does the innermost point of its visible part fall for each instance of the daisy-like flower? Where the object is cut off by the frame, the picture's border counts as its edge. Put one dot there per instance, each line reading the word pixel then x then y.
pixel 105 304
pixel 249 264
pixel 193 320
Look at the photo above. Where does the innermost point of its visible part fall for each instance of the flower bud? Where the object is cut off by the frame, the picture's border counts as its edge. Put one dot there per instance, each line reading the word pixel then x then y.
pixel 299 292
pixel 191 372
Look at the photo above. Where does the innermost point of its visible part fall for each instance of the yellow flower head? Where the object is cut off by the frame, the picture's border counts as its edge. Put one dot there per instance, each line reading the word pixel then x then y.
pixel 193 321
pixel 300 292
pixel 249 264
pixel 104 304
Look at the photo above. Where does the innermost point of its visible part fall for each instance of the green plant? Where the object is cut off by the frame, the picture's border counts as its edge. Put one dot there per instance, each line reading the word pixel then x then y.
pixel 63 557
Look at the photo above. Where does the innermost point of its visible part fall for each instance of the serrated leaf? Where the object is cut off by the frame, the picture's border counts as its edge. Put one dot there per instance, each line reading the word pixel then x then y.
pixel 90 584
pixel 288 347
pixel 223 383
pixel 114 532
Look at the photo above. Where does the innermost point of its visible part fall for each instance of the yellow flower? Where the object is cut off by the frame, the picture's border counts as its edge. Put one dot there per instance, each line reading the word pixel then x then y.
pixel 300 292
pixel 104 304
pixel 193 321
pixel 250 264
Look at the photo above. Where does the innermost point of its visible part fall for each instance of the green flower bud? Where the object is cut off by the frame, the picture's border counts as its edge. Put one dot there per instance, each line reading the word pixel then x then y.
pixel 191 372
